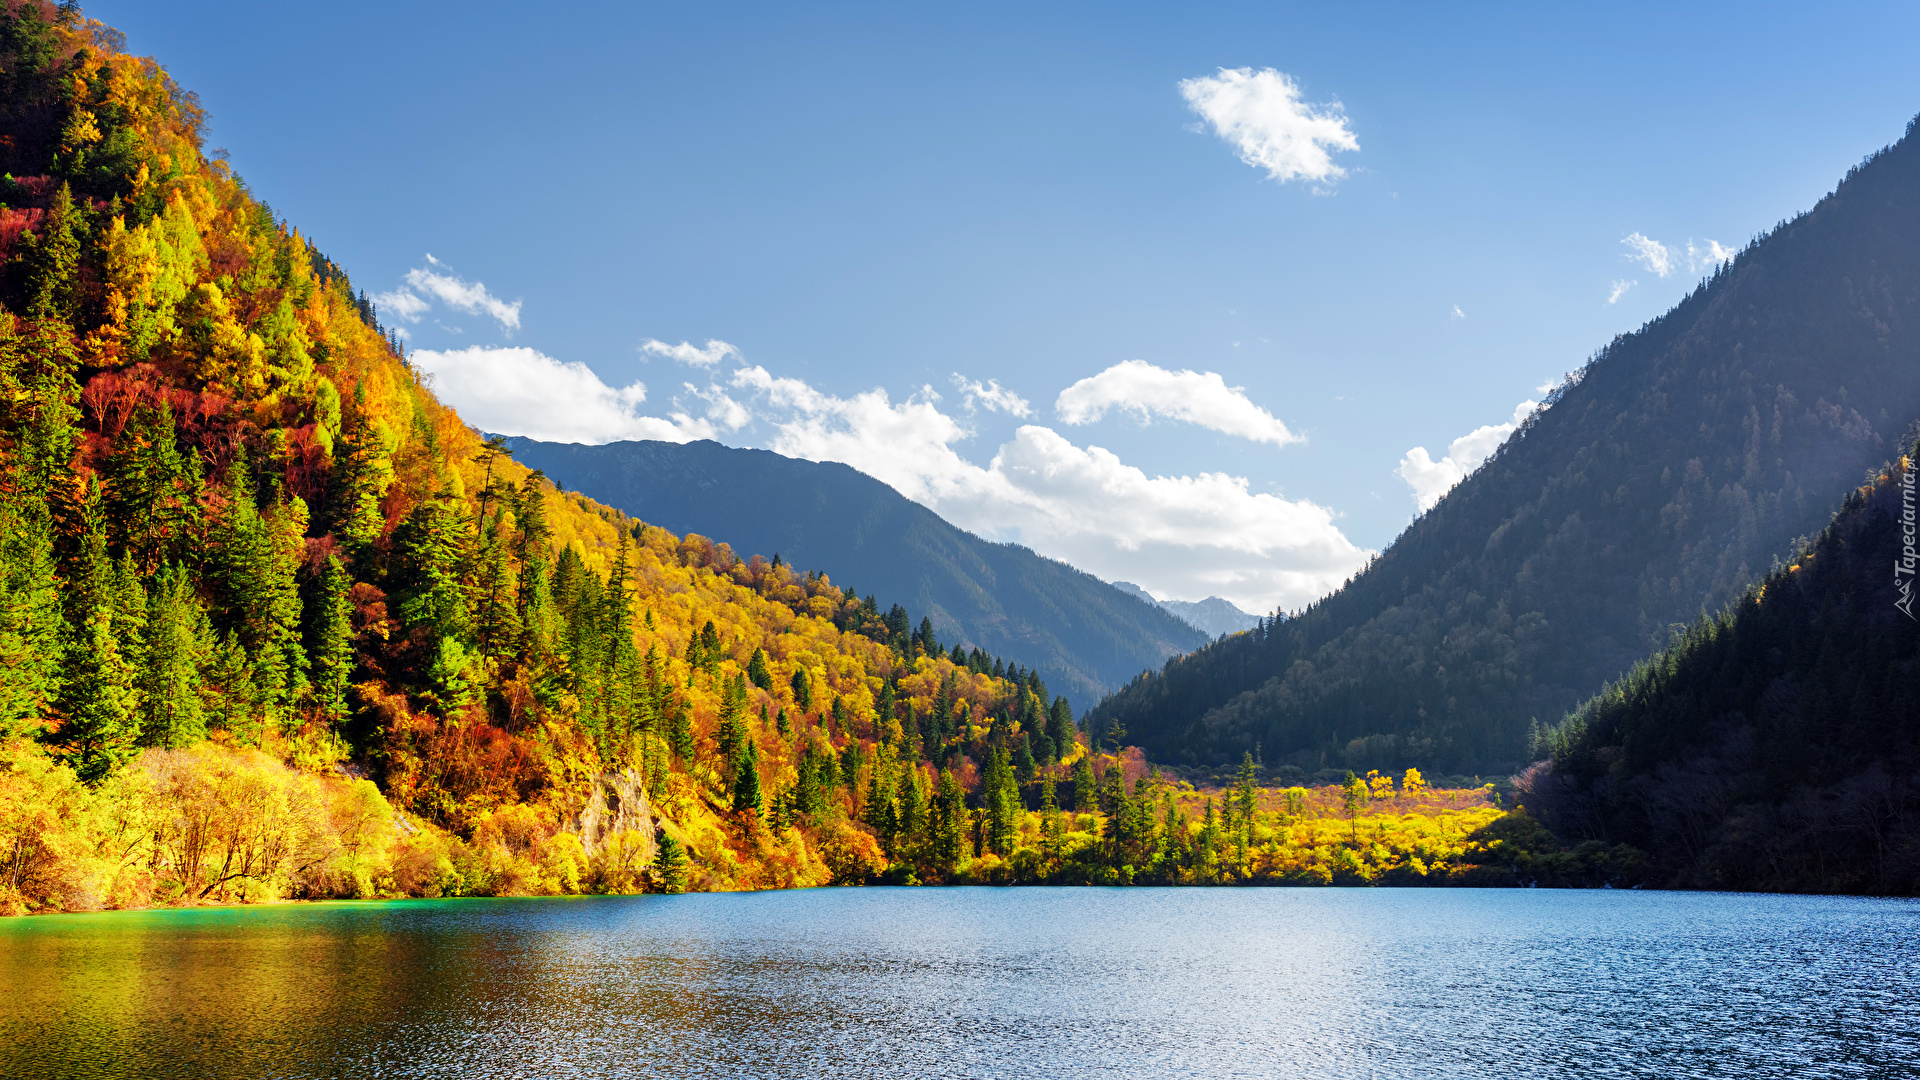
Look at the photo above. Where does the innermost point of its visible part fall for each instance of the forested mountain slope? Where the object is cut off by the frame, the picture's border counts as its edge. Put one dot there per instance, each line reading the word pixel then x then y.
pixel 1662 480
pixel 247 559
pixel 1777 745
pixel 1084 636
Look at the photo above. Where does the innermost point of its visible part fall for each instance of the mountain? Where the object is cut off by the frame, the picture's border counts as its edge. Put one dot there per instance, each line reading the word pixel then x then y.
pixel 1659 481
pixel 275 622
pixel 1776 745
pixel 1085 637
pixel 1213 616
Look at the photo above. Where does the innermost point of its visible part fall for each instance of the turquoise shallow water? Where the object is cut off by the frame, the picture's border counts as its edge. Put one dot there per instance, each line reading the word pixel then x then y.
pixel 977 982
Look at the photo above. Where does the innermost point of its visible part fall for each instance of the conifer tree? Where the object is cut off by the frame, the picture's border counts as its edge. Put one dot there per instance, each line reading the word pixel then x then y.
pixel 669 863
pixel 757 670
pixel 179 646
pixel 746 784
pixel 1086 797
pixel 802 686
pixel 32 625
pixel 1001 801
pixel 53 261
pixel 731 732
pixel 99 700
pixel 328 634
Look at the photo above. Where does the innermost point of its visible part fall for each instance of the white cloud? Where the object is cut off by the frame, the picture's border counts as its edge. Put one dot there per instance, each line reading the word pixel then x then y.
pixel 686 353
pixel 721 408
pixel 1457 313
pixel 1181 536
pixel 1430 479
pixel 1261 114
pixel 518 391
pixel 1652 254
pixel 1708 256
pixel 1619 290
pixel 424 284
pixel 401 303
pixel 1198 398
pixel 991 396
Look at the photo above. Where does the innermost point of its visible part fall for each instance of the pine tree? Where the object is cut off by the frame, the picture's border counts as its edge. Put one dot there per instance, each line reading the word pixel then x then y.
pixel 882 809
pixel 1086 797
pixel 1002 797
pixel 256 561
pixel 150 495
pixel 746 783
pixel 669 863
pixel 731 731
pixel 53 261
pixel 99 700
pixel 179 646
pixel 427 594
pixel 32 625
pixel 328 636
pixel 802 686
pixel 757 670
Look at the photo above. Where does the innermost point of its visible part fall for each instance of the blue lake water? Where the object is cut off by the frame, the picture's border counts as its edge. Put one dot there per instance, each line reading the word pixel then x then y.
pixel 977 982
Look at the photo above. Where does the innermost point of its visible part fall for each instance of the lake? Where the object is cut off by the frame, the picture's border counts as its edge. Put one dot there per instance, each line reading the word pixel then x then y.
pixel 977 982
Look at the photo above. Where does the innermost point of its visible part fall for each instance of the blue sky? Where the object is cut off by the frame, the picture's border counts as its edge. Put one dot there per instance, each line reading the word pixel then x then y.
pixel 860 199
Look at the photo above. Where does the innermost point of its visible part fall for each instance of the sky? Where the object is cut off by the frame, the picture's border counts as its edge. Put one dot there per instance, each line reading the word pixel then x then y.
pixel 1214 298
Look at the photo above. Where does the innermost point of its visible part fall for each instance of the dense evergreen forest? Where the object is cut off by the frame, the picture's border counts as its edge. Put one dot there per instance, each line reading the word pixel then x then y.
pixel 276 623
pixel 1084 636
pixel 1662 479
pixel 1776 745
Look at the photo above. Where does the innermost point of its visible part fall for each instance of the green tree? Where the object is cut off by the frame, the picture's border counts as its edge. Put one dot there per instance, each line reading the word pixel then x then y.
pixel 99 724
pixel 746 782
pixel 802 686
pixel 32 625
pixel 757 670
pixel 669 863
pixel 53 261
pixel 949 821
pixel 328 636
pixel 428 595
pixel 256 560
pixel 1086 797
pixel 179 646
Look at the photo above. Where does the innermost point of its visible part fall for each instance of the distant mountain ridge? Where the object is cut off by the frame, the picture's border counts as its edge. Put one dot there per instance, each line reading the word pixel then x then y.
pixel 1214 616
pixel 1084 636
pixel 1658 483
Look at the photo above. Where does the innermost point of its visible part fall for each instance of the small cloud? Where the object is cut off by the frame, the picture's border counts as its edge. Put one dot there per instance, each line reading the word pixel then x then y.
pixel 1260 113
pixel 1143 389
pixel 991 396
pixel 721 409
pixel 402 304
pixel 685 353
pixel 1652 254
pixel 471 297
pixel 1709 254
pixel 1619 290
pixel 1457 313
pixel 1431 480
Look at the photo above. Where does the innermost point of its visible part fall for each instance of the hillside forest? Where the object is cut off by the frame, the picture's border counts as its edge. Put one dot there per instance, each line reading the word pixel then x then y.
pixel 1774 745
pixel 274 623
pixel 1659 481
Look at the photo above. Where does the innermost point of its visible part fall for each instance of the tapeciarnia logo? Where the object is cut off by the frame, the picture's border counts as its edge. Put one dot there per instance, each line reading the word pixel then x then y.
pixel 1903 566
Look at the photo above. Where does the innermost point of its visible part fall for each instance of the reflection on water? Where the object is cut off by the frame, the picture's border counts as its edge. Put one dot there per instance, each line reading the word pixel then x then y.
pixel 977 982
